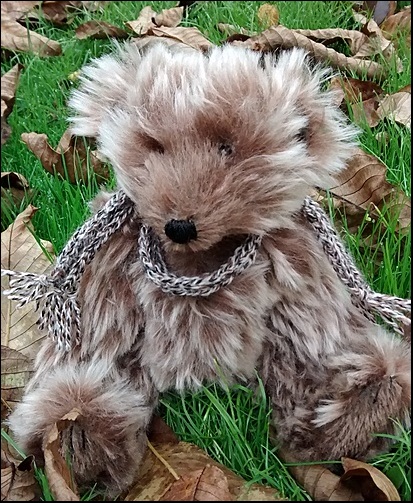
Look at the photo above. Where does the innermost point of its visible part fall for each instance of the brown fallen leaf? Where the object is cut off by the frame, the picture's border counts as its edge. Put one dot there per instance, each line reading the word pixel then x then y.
pixel 16 369
pixel 326 36
pixel 268 15
pixel 159 432
pixel 353 38
pixel 144 23
pixel 16 37
pixel 398 24
pixel 206 484
pixel 57 471
pixel 362 187
pixel 149 40
pixel 322 484
pixel 9 82
pixel 230 29
pixel 187 35
pixel 377 44
pixel 60 12
pixel 73 159
pixel 356 90
pixel 360 481
pixel 149 19
pixel 169 17
pixel 99 29
pixel 17 479
pixel 174 462
pixel 380 10
pixel 14 188
pixel 366 112
pixel 371 482
pixel 397 107
pixel 21 252
pixel 362 96
pixel 277 37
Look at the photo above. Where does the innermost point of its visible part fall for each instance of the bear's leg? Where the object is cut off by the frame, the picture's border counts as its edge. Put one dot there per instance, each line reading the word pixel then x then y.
pixel 334 407
pixel 106 442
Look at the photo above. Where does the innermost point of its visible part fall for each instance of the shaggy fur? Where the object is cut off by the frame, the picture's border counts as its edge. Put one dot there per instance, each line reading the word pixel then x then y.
pixel 234 142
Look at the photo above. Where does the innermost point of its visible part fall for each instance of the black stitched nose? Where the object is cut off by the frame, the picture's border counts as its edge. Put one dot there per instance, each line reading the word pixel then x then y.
pixel 180 231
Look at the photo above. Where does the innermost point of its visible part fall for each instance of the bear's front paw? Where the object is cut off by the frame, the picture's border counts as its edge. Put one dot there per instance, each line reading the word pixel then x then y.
pixel 106 441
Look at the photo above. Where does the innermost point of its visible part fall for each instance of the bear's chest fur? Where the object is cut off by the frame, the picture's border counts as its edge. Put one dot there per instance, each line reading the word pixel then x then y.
pixel 190 340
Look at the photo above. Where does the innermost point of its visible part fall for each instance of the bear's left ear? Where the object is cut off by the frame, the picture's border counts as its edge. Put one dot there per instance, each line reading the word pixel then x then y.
pixel 103 87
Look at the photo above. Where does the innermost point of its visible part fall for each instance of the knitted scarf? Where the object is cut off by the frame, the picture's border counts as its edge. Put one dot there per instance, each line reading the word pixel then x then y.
pixel 55 294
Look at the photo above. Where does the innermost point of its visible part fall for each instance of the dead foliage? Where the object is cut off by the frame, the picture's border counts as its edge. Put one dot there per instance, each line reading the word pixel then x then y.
pixel 9 82
pixel 73 158
pixel 359 482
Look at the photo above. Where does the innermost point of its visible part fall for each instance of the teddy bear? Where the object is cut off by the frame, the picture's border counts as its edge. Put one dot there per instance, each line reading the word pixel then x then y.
pixel 202 266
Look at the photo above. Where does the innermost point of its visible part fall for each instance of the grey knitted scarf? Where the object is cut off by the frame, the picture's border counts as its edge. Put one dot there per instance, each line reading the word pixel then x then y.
pixel 55 294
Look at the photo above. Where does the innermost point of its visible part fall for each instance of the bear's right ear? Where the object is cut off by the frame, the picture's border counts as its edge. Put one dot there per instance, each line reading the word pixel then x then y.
pixel 103 87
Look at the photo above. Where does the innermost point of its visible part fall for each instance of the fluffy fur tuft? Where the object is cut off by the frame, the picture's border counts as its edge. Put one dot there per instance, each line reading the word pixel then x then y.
pixel 232 141
pixel 106 442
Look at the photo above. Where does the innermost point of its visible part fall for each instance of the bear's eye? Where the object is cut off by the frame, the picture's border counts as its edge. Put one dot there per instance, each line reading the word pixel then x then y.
pixel 153 145
pixel 302 135
pixel 225 149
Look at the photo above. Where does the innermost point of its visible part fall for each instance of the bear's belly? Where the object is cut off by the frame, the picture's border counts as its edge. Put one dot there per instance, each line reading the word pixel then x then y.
pixel 189 340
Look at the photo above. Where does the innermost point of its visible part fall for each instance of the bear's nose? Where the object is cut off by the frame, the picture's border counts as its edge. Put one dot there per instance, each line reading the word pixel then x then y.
pixel 180 231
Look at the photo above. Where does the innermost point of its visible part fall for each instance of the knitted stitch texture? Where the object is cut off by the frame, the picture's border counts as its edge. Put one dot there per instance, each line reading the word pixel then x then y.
pixel 56 293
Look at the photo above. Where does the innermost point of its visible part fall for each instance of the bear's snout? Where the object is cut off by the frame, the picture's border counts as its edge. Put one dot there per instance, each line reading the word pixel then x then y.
pixel 181 231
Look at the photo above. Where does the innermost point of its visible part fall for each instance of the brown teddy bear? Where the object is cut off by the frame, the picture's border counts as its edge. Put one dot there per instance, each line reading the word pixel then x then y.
pixel 206 265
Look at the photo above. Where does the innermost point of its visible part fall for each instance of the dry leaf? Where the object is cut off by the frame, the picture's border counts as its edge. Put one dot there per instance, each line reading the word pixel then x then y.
pixel 280 37
pixel 366 112
pixel 14 188
pixel 380 10
pixel 354 38
pixel 268 15
pixel 16 369
pixel 72 159
pixel 17 479
pixel 9 83
pixel 61 12
pixel 397 107
pixel 99 29
pixel 149 40
pixel 400 23
pixel 230 29
pixel 58 474
pixel 144 22
pixel 169 17
pixel 360 481
pixel 206 484
pixel 21 252
pixel 377 43
pixel 356 90
pixel 362 186
pixel 159 472
pixel 160 433
pixel 371 482
pixel 188 36
pixel 322 484
pixel 16 37
pixel 363 97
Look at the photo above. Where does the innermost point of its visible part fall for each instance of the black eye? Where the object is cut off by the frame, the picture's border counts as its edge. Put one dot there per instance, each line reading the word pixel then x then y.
pixel 225 149
pixel 302 135
pixel 153 144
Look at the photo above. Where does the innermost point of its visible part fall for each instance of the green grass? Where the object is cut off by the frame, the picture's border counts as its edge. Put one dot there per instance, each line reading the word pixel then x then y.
pixel 231 425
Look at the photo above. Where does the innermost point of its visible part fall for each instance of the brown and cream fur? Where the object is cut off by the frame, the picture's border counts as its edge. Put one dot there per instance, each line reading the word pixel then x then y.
pixel 334 378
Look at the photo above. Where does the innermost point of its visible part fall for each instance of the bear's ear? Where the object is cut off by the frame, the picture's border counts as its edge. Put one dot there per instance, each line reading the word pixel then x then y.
pixel 103 87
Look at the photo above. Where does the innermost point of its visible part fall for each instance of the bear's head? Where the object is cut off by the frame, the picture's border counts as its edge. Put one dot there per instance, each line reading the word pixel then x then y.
pixel 213 145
